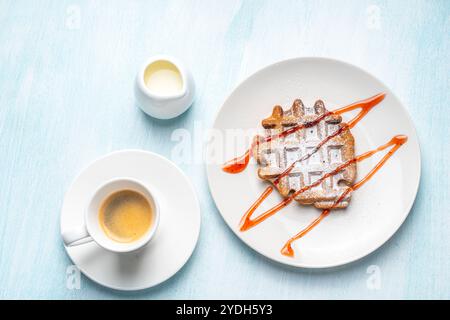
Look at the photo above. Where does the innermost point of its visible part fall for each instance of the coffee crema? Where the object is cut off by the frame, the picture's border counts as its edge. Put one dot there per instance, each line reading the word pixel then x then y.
pixel 125 216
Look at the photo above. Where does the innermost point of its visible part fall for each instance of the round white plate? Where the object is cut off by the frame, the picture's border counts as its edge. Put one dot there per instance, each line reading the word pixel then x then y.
pixel 376 210
pixel 177 232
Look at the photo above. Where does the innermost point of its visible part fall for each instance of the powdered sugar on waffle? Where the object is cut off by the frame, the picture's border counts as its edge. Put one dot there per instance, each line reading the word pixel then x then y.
pixel 275 156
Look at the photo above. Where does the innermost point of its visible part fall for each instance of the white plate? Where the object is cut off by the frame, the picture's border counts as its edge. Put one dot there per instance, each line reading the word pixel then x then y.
pixel 176 236
pixel 376 210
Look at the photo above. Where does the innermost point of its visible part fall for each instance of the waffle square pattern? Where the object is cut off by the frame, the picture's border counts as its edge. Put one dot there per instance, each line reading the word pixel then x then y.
pixel 306 150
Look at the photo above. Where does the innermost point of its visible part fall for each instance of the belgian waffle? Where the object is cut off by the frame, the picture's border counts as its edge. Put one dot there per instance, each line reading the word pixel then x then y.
pixel 275 156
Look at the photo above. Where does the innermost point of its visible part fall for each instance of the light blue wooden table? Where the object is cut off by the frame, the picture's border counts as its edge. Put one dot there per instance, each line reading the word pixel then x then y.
pixel 66 98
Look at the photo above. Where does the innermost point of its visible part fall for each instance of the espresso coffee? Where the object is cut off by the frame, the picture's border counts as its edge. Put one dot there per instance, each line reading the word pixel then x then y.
pixel 125 216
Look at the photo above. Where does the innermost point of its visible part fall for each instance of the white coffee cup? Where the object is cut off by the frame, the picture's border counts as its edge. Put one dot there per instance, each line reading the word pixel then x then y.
pixel 91 229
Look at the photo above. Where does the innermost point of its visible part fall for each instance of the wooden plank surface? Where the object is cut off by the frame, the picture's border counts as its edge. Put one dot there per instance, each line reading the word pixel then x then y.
pixel 66 80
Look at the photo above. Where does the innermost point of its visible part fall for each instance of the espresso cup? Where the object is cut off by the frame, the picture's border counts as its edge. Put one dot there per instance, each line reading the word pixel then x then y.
pixel 91 229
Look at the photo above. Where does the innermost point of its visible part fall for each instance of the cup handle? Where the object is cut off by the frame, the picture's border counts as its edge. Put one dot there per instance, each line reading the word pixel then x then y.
pixel 76 236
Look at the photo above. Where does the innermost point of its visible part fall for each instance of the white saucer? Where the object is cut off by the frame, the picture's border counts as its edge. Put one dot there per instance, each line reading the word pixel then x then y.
pixel 376 210
pixel 176 236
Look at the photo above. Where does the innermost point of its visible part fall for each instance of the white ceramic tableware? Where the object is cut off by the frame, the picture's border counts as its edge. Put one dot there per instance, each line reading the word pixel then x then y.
pixel 152 96
pixel 90 229
pixel 376 211
pixel 171 245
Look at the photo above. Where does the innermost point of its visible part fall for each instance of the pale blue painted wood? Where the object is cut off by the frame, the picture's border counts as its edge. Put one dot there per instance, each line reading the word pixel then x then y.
pixel 66 76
